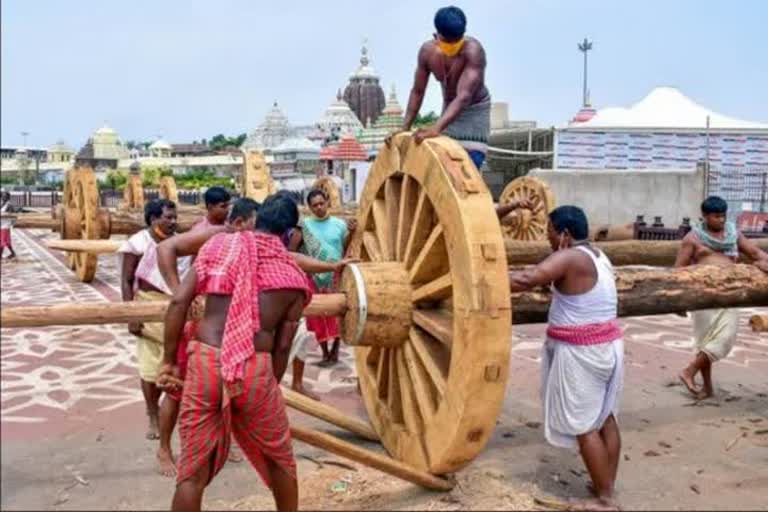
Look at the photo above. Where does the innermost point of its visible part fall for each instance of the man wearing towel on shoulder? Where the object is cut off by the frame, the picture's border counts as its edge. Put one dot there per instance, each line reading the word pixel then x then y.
pixel 458 63
pixel 582 358
pixel 714 242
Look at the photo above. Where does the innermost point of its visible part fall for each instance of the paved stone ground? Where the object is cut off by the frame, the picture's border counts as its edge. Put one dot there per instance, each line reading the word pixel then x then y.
pixel 72 421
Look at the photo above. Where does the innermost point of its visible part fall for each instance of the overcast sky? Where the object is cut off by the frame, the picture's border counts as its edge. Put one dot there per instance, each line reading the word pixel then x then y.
pixel 188 69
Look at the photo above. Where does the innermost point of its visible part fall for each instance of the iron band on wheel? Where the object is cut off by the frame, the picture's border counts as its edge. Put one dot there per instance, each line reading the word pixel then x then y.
pixel 362 306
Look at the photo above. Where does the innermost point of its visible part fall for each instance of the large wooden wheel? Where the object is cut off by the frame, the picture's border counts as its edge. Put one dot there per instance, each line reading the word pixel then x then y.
pixel 133 195
pixel 86 217
pixel 524 224
pixel 327 185
pixel 68 201
pixel 433 381
pixel 168 189
pixel 256 181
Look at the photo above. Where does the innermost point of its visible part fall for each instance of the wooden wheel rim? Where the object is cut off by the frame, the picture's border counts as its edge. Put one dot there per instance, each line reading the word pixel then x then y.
pixel 441 412
pixel 86 198
pixel 256 180
pixel 134 192
pixel 68 201
pixel 327 185
pixel 529 225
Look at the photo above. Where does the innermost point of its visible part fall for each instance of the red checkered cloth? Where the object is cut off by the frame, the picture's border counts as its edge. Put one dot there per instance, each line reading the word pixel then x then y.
pixel 242 265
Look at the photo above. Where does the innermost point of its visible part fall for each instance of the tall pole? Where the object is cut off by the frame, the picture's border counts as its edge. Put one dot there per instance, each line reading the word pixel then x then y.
pixel 24 135
pixel 584 47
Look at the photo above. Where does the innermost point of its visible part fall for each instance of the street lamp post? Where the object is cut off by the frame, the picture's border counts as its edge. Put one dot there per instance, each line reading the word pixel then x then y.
pixel 584 47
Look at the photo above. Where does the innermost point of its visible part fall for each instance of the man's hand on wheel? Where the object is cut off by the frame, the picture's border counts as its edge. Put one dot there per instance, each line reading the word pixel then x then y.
pixel 425 133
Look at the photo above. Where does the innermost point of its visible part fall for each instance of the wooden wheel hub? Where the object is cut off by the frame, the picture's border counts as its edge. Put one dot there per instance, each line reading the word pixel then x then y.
pixel 378 304
pixel 426 223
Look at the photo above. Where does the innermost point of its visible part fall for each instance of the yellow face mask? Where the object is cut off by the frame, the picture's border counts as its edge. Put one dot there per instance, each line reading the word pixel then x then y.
pixel 450 49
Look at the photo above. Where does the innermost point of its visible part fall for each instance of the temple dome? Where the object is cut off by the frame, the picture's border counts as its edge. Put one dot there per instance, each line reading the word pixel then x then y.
pixel 272 132
pixel 339 118
pixel 364 93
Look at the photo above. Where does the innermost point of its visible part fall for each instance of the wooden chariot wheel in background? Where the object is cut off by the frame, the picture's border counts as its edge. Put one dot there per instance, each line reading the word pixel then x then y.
pixel 434 383
pixel 327 185
pixel 527 225
pixel 168 189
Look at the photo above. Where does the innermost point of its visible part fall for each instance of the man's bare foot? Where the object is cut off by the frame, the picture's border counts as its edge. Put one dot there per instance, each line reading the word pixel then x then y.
pixel 166 465
pixel 687 379
pixel 299 388
pixel 235 455
pixel 593 504
pixel 153 431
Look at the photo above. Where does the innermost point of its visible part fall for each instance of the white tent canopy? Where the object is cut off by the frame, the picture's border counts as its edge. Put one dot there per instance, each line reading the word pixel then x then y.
pixel 664 108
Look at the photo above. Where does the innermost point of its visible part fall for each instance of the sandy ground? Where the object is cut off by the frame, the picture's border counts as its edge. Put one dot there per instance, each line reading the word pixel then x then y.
pixel 73 423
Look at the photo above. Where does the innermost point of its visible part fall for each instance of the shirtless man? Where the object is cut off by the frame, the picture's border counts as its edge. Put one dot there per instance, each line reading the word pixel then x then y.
pixel 255 294
pixel 582 358
pixel 458 63
pixel 241 218
pixel 714 242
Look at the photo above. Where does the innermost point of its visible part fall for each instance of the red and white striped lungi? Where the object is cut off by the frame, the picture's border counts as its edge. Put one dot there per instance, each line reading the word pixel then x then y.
pixel 256 416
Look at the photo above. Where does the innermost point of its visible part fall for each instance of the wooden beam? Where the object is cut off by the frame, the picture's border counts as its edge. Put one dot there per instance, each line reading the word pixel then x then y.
pixel 759 323
pixel 628 252
pixel 327 413
pixel 657 291
pixel 372 459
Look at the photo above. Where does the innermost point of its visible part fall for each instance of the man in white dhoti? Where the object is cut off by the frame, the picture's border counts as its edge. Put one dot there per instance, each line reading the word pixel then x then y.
pixel 582 358
pixel 714 242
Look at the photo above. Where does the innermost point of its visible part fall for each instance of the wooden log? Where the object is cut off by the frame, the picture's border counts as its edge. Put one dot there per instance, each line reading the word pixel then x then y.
pixel 33 221
pixel 89 246
pixel 657 291
pixel 126 312
pixel 372 459
pixel 655 253
pixel 327 413
pixel 642 291
pixel 759 323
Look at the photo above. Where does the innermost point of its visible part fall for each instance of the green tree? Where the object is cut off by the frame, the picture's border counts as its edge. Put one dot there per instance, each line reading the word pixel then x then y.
pixel 116 179
pixel 220 141
pixel 150 175
pixel 427 119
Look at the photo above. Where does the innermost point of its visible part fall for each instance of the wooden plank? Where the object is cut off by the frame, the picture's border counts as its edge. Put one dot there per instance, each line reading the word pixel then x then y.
pixel 368 458
pixel 434 357
pixel 435 290
pixel 437 322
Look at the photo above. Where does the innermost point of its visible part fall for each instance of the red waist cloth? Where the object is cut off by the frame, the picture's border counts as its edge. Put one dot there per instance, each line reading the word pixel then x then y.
pixel 587 334
pixel 209 415
pixel 5 237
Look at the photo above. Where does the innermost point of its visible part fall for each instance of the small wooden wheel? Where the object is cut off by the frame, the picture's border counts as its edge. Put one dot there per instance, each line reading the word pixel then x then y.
pixel 133 195
pixel 68 202
pixel 524 224
pixel 86 199
pixel 327 185
pixel 168 189
pixel 433 382
pixel 256 181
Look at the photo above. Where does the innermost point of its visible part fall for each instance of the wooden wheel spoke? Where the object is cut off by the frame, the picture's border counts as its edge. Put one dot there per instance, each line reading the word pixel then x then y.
pixel 420 384
pixel 409 196
pixel 392 192
pixel 435 290
pixel 382 374
pixel 411 417
pixel 394 401
pixel 437 322
pixel 432 260
pixel 371 244
pixel 434 357
pixel 373 356
pixel 382 227
pixel 420 228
